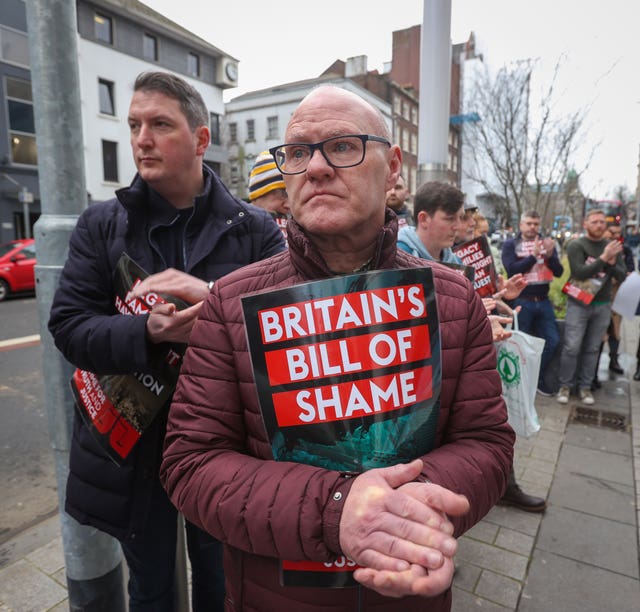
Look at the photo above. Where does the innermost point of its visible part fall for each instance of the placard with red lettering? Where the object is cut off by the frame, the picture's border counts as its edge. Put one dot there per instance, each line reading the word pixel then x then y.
pixel 582 290
pixel 119 408
pixel 539 273
pixel 477 254
pixel 348 375
pixel 466 271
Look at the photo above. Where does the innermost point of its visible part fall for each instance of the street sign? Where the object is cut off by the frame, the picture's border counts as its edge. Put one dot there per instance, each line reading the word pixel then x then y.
pixel 25 196
pixel 457 119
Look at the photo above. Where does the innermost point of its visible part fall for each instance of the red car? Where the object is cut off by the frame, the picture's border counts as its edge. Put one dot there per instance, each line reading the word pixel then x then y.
pixel 17 262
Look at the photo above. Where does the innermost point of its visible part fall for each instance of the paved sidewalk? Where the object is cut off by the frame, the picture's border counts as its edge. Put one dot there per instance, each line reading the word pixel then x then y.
pixel 581 555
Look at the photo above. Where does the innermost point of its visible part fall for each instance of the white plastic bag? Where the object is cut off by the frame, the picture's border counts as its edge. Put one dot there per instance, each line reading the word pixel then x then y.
pixel 518 365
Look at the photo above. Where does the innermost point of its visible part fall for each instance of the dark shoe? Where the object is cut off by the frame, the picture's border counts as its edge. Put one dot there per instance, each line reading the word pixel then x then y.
pixel 614 366
pixel 636 376
pixel 544 390
pixel 596 384
pixel 515 496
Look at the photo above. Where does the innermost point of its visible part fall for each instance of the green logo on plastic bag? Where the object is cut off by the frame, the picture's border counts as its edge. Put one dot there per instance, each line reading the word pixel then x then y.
pixel 509 367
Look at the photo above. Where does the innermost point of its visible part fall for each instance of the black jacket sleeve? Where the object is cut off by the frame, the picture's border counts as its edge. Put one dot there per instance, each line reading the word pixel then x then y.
pixel 84 322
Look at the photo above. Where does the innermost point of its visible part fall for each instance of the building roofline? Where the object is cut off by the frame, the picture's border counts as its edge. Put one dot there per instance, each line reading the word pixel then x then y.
pixel 146 14
pixel 293 86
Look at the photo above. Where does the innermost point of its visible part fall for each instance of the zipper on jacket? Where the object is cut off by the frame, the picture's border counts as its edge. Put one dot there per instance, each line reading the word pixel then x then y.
pixel 184 237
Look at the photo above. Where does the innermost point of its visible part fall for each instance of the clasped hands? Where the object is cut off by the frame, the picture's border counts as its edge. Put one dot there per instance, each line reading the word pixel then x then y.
pixel 398 531
pixel 165 322
pixel 611 251
pixel 543 246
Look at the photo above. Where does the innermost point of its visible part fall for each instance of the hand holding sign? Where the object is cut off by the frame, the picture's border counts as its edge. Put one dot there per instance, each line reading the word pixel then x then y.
pixel 168 324
pixel 176 283
pixel 390 522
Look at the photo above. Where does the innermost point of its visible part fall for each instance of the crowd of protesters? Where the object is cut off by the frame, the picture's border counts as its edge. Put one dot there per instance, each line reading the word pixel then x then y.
pixel 328 202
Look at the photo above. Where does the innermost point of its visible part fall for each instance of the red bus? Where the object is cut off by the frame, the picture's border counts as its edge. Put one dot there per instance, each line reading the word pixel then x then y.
pixel 613 210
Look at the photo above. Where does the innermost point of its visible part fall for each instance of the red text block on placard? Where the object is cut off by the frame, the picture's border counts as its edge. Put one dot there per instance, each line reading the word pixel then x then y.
pixel 348 355
pixel 353 399
pixel 342 312
pixel 341 564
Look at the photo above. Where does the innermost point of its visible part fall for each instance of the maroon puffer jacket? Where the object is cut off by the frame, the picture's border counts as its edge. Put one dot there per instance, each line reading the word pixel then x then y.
pixel 218 467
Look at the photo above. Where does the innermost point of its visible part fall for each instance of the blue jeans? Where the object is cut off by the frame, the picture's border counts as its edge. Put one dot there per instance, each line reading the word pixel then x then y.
pixel 151 560
pixel 539 319
pixel 583 331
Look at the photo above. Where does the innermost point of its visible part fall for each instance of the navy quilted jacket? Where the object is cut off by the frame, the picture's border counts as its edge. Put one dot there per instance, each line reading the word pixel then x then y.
pixel 223 234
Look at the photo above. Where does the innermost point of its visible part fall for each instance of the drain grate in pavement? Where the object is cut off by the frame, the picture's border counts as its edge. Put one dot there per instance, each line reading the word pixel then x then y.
pixel 598 418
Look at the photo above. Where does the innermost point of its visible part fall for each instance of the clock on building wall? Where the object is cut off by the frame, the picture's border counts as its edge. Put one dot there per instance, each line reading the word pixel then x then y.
pixel 231 70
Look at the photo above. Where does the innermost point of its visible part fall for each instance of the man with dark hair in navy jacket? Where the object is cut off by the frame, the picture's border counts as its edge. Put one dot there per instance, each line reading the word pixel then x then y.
pixel 180 224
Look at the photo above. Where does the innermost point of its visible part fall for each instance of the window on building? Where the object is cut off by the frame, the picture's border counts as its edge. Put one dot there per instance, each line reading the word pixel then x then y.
pixel 272 127
pixel 405 110
pixel 251 129
pixel 103 28
pixel 14 47
pixel 396 105
pixel 453 161
pixel 414 115
pixel 193 64
pixel 414 144
pixel 405 140
pixel 396 131
pixel 234 174
pixel 233 132
pixel 22 126
pixel 105 92
pixel 214 128
pixel 110 161
pixel 150 47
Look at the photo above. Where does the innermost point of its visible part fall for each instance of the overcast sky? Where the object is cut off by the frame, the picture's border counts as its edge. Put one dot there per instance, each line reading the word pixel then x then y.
pixel 283 41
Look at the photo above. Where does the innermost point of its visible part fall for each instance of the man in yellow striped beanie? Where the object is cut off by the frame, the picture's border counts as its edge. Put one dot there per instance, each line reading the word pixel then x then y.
pixel 267 188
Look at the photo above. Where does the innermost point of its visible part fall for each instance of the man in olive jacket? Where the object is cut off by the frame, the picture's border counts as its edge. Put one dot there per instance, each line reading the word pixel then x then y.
pixel 398 523
pixel 181 225
pixel 595 262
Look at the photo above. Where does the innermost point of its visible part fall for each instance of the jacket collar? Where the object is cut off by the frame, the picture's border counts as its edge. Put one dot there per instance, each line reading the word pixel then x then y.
pixel 310 263
pixel 214 200
pixel 215 212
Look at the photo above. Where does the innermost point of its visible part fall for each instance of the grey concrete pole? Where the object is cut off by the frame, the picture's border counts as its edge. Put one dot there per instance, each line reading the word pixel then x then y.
pixel 435 91
pixel 92 559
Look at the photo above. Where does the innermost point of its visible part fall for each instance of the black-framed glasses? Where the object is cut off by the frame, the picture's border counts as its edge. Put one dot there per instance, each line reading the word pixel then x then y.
pixel 340 152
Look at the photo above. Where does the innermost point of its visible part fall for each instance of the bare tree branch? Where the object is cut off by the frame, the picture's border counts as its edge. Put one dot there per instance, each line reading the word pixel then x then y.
pixel 522 154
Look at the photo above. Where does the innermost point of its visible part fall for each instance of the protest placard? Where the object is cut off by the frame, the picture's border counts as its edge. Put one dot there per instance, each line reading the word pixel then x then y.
pixel 477 254
pixel 348 376
pixel 118 408
pixel 539 273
